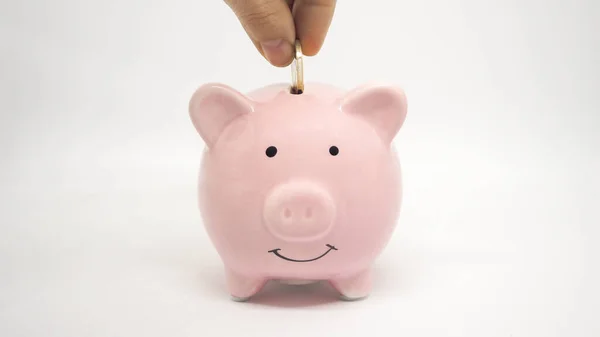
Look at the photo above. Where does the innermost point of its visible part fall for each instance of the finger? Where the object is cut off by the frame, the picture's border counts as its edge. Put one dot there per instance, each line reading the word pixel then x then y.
pixel 270 26
pixel 312 19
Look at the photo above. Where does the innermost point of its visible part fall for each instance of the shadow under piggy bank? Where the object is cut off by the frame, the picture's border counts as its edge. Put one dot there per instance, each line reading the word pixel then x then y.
pixel 278 294
pixel 275 293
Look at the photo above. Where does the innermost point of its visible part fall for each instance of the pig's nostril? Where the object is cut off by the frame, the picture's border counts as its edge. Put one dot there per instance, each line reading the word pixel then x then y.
pixel 287 213
pixel 308 213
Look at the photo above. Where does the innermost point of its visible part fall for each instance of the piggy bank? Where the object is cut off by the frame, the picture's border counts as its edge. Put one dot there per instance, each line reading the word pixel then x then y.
pixel 299 188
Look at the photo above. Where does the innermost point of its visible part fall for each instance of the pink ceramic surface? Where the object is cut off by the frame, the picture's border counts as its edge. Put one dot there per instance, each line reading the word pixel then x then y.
pixel 299 187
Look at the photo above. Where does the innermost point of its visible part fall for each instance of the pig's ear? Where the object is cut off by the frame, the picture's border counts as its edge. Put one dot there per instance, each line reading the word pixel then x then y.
pixel 383 107
pixel 213 106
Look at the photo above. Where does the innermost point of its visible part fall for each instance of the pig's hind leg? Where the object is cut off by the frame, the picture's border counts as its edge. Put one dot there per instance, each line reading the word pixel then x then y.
pixel 353 287
pixel 241 287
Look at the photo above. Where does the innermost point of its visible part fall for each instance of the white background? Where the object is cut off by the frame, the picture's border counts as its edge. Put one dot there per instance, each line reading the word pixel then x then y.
pixel 99 230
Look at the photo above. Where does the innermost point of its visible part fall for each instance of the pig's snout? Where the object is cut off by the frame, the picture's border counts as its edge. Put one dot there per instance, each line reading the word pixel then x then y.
pixel 299 211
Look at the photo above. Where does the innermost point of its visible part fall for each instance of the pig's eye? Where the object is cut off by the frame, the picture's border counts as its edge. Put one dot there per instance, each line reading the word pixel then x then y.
pixel 271 151
pixel 334 150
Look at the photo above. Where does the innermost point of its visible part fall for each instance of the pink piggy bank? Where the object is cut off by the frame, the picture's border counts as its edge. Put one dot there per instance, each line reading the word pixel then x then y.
pixel 299 187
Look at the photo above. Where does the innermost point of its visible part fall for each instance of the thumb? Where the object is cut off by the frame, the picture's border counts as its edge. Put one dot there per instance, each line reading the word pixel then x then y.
pixel 270 26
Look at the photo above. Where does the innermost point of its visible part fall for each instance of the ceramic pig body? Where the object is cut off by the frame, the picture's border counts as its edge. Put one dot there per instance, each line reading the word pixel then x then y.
pixel 299 187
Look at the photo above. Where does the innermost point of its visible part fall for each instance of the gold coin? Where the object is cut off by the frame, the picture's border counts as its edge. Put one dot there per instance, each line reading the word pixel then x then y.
pixel 297 70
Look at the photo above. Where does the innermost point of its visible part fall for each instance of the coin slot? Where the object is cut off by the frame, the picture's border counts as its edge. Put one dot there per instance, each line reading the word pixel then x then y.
pixel 295 91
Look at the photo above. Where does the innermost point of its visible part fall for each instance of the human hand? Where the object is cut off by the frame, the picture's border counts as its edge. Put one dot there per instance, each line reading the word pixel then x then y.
pixel 274 25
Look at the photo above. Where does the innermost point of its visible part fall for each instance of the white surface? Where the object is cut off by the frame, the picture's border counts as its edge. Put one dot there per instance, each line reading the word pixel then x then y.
pixel 99 231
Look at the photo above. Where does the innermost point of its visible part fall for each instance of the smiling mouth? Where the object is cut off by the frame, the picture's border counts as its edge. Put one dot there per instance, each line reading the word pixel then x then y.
pixel 276 252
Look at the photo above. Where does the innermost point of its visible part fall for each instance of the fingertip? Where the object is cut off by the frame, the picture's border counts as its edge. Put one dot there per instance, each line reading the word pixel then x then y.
pixel 278 52
pixel 310 45
pixel 270 26
pixel 312 19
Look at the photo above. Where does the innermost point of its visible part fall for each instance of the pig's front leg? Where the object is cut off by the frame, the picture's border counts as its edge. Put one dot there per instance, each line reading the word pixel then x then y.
pixel 354 287
pixel 241 287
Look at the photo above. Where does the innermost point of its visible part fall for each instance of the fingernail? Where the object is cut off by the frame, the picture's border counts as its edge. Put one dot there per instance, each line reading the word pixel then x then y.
pixel 278 52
